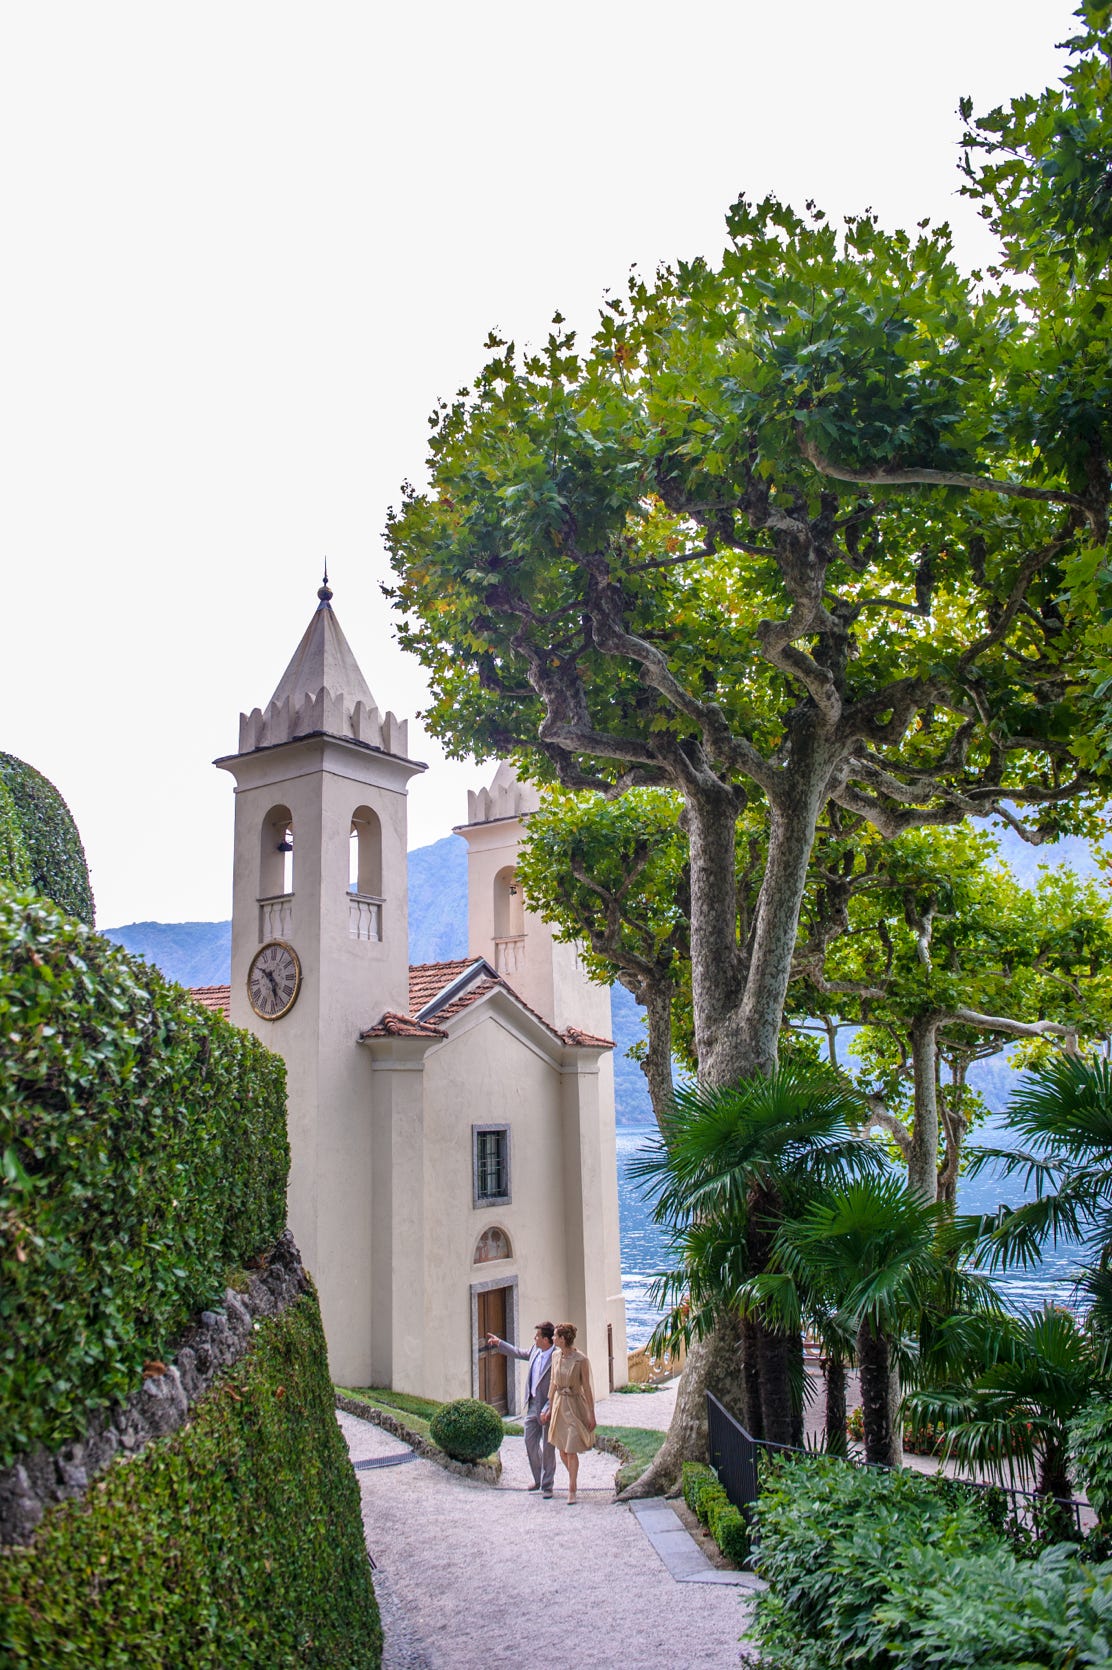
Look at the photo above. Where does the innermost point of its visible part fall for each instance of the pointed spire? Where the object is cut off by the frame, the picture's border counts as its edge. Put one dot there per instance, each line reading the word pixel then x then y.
pixel 322 690
pixel 323 660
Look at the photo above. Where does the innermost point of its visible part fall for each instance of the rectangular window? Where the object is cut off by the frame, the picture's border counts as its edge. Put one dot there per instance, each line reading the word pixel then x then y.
pixel 491 1163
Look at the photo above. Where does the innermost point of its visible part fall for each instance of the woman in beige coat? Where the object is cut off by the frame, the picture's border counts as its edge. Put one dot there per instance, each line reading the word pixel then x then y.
pixel 571 1405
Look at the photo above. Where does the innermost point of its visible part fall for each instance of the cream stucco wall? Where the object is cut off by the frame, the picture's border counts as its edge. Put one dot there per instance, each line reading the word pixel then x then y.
pixel 346 985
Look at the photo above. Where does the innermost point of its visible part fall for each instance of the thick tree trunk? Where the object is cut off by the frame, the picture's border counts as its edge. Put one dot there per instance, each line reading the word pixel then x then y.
pixel 738 993
pixel 738 1003
pixel 895 1414
pixel 751 1379
pixel 713 1364
pixel 954 1127
pixel 922 1165
pixel 778 1405
pixel 834 1372
pixel 657 997
pixel 1054 1481
pixel 872 1359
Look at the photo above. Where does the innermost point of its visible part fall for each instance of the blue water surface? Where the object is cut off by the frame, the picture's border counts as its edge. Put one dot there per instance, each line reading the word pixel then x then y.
pixel 644 1251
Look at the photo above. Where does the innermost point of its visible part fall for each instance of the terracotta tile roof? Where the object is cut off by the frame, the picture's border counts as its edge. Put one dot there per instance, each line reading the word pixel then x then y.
pixel 587 1040
pixel 428 980
pixel 216 998
pixel 402 1026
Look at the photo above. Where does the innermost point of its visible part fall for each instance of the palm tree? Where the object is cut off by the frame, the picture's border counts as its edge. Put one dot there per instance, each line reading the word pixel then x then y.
pixel 1011 1419
pixel 872 1249
pixel 731 1163
pixel 1065 1114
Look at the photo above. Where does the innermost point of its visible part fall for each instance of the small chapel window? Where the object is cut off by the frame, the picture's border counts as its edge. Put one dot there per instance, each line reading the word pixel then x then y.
pixel 492 1243
pixel 491 1164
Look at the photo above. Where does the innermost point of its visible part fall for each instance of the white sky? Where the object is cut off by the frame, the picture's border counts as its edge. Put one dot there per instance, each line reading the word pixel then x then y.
pixel 247 245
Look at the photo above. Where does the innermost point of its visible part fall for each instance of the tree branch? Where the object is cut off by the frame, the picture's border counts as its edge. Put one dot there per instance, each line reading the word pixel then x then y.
pixel 1021 1029
pixel 939 478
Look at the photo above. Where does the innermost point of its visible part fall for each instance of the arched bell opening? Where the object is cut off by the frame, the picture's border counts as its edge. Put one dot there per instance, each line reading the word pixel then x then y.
pixel 276 854
pixel 365 874
pixel 509 922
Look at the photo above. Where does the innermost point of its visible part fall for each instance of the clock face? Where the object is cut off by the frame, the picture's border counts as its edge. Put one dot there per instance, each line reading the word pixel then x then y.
pixel 273 980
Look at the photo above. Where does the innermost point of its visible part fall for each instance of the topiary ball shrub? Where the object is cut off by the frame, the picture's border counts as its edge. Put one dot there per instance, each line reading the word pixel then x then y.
pixel 467 1430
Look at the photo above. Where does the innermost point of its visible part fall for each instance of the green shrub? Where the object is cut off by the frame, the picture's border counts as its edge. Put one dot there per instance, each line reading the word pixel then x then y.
pixel 695 1473
pixel 992 1611
pixel 730 1530
pixel 893 1571
pixel 709 1496
pixel 237 1541
pixel 55 857
pixel 143 1154
pixel 708 1500
pixel 1091 1453
pixel 467 1430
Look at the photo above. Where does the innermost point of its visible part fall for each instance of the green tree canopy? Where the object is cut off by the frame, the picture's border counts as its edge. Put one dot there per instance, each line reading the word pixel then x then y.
pixel 945 958
pixel 809 524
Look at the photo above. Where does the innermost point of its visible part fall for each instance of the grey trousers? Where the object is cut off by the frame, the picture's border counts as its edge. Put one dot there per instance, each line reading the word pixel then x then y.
pixel 542 1457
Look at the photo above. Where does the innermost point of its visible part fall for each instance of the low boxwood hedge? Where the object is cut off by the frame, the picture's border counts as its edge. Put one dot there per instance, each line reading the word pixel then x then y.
pixel 708 1500
pixel 891 1571
pixel 143 1154
pixel 238 1541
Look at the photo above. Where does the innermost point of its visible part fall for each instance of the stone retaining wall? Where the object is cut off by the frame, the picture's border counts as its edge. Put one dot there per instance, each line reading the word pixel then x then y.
pixel 162 1402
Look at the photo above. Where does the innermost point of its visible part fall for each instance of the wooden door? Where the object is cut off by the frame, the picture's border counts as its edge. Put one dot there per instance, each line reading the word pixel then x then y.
pixel 493 1378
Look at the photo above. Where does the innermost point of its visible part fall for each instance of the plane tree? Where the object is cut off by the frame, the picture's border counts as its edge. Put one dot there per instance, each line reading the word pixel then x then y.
pixel 640 565
pixel 818 524
pixel 611 875
pixel 945 960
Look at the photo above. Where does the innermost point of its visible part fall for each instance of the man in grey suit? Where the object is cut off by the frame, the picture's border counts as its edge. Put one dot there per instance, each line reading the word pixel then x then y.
pixel 542 1456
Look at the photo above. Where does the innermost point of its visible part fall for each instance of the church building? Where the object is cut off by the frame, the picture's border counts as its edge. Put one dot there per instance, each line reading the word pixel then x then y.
pixel 453 1166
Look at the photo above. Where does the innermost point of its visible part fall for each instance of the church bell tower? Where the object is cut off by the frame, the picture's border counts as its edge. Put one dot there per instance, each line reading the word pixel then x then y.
pixel 320 943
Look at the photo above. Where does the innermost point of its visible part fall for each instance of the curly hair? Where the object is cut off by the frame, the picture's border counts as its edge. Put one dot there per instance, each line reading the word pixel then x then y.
pixel 566 1331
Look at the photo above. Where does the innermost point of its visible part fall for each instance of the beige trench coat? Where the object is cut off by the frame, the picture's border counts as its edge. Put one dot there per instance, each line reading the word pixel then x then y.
pixel 571 1422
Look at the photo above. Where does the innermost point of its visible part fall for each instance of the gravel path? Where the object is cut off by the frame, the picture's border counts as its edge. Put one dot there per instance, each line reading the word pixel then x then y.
pixel 471 1577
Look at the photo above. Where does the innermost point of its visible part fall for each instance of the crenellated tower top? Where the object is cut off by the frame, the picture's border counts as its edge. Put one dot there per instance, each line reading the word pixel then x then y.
pixel 322 692
pixel 506 797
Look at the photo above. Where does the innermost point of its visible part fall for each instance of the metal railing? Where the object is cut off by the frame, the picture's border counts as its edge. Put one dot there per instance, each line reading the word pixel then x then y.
pixel 735 1456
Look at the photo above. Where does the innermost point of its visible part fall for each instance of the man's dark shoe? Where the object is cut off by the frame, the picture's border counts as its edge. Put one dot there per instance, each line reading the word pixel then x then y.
pixel 547 1494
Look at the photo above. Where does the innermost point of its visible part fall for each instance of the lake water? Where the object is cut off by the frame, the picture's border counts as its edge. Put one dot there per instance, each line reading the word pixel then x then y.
pixel 644 1252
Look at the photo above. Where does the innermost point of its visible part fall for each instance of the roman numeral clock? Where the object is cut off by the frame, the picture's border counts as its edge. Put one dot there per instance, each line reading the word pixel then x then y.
pixel 274 980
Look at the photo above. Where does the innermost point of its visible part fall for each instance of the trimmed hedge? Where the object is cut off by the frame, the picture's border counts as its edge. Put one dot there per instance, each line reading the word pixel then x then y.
pixel 54 855
pixel 237 1541
pixel 143 1154
pixel 15 866
pixel 897 1571
pixel 467 1430
pixel 709 1502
